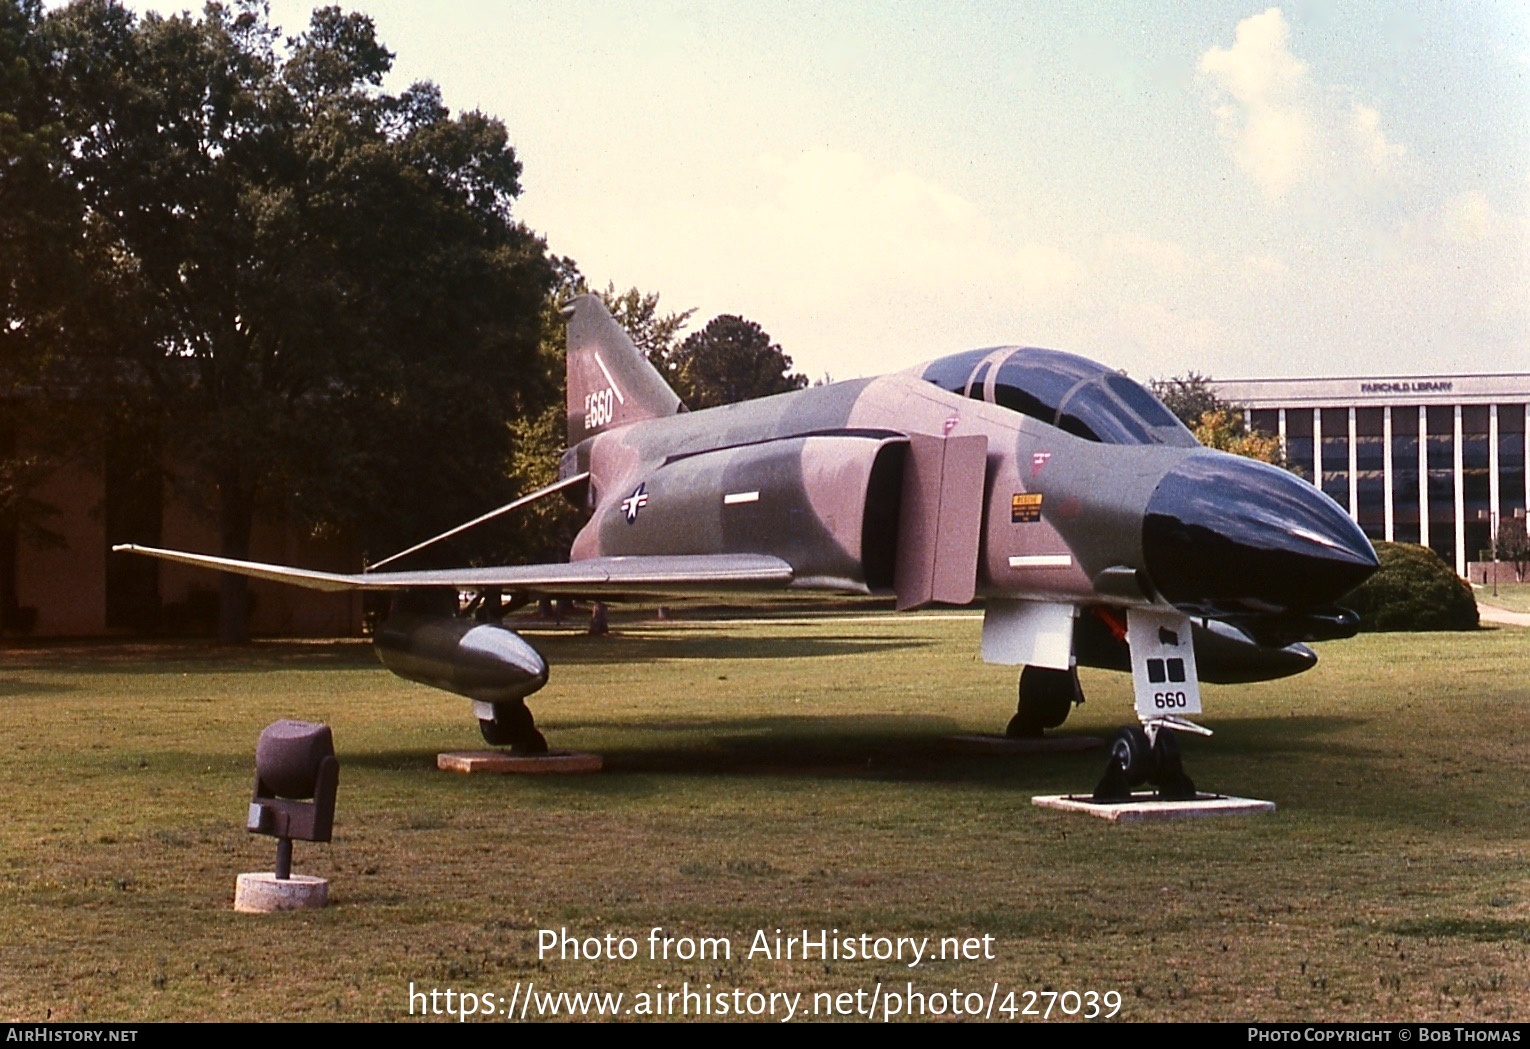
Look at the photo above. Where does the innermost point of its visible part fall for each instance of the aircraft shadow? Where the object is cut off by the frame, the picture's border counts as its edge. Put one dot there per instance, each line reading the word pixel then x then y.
pixel 883 748
pixel 13 688
pixel 194 658
pixel 594 651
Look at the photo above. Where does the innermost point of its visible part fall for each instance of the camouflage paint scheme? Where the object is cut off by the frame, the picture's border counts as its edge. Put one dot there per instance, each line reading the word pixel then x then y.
pixel 817 479
pixel 1058 492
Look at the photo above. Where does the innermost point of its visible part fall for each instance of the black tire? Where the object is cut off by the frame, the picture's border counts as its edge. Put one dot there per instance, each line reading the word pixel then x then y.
pixel 1046 697
pixel 1168 749
pixel 1169 771
pixel 1130 750
pixel 513 727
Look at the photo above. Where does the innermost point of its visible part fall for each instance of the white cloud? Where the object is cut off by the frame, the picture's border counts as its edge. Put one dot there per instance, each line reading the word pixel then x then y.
pixel 1468 217
pixel 1267 123
pixel 843 223
pixel 1283 128
pixel 1373 144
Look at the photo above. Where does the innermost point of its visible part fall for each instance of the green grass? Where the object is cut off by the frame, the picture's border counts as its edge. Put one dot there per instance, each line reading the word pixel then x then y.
pixel 763 777
pixel 1513 596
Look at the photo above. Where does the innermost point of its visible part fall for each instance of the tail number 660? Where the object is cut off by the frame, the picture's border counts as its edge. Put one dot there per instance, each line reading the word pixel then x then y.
pixel 599 408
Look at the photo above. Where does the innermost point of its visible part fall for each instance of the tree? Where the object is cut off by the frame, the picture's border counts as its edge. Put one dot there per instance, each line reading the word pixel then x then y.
pixel 313 289
pixel 1223 430
pixel 730 360
pixel 545 529
pixel 45 304
pixel 655 333
pixel 1215 422
pixel 1514 545
pixel 1189 396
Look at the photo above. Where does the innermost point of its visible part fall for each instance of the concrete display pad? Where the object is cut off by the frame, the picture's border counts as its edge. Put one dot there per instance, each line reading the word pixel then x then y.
pixel 1038 745
pixel 263 893
pixel 507 764
pixel 1145 807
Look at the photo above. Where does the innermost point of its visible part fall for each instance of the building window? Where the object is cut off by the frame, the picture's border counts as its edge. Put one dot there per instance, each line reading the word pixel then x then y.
pixel 1299 441
pixel 1511 459
pixel 1336 455
pixel 1405 474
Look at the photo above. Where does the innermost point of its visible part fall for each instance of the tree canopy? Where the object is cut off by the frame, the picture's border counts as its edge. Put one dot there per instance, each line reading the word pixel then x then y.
pixel 1216 423
pixel 730 360
pixel 313 291
pixel 1513 545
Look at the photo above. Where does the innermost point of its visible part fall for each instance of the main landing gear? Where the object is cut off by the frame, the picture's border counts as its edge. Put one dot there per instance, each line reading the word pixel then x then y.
pixel 1147 753
pixel 1046 697
pixel 511 726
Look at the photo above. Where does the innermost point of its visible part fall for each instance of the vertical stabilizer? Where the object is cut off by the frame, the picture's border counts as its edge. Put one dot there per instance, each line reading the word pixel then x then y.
pixel 610 382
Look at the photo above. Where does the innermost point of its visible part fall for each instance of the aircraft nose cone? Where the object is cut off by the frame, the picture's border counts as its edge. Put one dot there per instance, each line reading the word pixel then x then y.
pixel 1228 535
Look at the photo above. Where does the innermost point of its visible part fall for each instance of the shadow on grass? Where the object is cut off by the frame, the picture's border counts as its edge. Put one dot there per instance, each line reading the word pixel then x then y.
pixel 881 748
pixel 189 657
pixel 570 651
pixel 1294 760
pixel 13 687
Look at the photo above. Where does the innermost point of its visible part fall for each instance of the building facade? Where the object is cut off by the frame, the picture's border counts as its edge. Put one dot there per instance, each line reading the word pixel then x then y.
pixel 1434 460
pixel 72 585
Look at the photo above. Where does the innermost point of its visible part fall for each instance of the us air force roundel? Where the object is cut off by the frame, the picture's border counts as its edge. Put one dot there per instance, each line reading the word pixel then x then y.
pixel 635 502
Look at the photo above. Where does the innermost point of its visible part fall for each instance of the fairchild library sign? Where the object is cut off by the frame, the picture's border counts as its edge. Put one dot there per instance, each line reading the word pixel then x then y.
pixel 1405 386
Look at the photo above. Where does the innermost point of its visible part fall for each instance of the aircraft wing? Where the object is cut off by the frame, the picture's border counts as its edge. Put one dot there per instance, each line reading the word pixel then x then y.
pixel 698 575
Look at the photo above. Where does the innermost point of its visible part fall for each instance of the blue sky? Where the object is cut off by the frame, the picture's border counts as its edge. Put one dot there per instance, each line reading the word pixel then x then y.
pixel 1311 189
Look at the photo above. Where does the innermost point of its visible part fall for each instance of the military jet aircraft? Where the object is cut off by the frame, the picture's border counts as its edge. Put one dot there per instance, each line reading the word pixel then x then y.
pixel 1063 496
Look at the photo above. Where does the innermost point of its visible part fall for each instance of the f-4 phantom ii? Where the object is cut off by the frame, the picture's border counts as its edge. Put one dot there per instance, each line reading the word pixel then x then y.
pixel 1063 496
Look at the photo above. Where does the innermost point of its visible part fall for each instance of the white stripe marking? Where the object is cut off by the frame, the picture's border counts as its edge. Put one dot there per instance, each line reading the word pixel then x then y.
pixel 1042 561
pixel 734 498
pixel 607 373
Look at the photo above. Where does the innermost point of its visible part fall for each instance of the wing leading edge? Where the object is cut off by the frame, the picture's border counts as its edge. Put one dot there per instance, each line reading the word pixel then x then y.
pixel 684 575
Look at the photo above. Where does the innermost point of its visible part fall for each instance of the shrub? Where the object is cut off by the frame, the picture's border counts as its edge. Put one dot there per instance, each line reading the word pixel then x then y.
pixel 1413 590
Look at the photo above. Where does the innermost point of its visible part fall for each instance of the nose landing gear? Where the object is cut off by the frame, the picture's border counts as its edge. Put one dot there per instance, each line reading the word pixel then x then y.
pixel 1147 753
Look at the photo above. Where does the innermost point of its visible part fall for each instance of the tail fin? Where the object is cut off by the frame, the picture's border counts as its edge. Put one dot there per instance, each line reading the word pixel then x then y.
pixel 610 382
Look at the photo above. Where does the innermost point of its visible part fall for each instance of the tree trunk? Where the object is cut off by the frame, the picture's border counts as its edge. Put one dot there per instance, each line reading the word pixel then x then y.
pixel 236 516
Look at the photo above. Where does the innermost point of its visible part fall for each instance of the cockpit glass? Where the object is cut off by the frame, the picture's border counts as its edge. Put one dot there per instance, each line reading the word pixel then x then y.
pixel 1072 393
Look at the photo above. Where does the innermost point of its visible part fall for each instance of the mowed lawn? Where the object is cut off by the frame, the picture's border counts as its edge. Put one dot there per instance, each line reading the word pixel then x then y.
pixel 790 775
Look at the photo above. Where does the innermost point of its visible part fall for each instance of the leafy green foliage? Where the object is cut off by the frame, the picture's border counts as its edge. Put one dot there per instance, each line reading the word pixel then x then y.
pixel 1189 397
pixel 1514 545
pixel 1413 590
pixel 1223 430
pixel 314 289
pixel 731 360
pixel 1215 422
pixel 656 334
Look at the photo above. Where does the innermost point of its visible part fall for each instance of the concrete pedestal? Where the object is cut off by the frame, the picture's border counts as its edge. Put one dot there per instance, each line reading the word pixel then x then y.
pixel 1145 807
pixel 263 892
pixel 505 763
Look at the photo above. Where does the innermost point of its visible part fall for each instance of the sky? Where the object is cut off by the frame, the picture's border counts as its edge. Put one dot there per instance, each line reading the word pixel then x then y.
pixel 1315 189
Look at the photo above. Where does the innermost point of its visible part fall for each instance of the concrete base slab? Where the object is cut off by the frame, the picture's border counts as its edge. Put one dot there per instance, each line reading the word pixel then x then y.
pixel 507 764
pixel 1145 806
pixel 1035 745
pixel 263 893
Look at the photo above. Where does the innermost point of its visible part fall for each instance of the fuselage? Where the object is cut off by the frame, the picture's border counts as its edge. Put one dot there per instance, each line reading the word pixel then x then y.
pixel 818 478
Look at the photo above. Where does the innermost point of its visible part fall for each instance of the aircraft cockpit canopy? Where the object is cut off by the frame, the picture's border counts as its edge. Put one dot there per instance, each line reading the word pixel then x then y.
pixel 1073 393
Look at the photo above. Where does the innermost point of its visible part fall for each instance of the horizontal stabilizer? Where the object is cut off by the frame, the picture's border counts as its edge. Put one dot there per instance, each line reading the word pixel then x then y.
pixel 693 575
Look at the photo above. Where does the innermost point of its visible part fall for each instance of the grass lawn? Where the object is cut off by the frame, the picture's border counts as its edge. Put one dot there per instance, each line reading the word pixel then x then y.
pixel 1513 596
pixel 763 777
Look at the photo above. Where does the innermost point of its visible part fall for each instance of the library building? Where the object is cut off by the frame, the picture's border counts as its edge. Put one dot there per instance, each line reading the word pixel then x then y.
pixel 1435 460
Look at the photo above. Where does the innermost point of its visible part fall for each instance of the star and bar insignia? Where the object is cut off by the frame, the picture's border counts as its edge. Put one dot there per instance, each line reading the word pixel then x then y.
pixel 635 502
